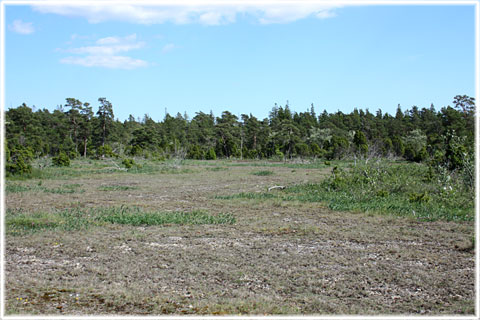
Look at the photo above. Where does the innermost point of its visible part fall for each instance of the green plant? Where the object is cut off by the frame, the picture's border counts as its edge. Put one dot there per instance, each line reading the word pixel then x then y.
pixel 419 197
pixel 128 163
pixel 211 155
pixel 62 160
pixel 106 151
pixel 19 161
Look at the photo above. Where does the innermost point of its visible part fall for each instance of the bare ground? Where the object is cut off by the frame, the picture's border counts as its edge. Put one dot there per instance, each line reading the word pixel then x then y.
pixel 278 258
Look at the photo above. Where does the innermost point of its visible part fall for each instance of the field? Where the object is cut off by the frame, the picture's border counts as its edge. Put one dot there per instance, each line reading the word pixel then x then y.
pixel 207 237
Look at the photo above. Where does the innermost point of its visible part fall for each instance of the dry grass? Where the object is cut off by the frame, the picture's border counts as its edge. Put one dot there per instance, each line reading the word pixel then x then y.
pixel 278 258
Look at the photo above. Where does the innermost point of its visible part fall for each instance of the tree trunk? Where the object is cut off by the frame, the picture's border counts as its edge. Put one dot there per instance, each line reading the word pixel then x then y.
pixel 103 138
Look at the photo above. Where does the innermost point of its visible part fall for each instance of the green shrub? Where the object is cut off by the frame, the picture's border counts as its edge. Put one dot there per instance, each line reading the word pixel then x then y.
pixel 19 161
pixel 106 151
pixel 136 150
pixel 195 153
pixel 211 155
pixel 128 163
pixel 302 149
pixel 62 160
pixel 419 197
pixel 315 149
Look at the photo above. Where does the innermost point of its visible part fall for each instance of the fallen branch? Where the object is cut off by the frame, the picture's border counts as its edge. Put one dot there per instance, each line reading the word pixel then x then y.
pixel 114 168
pixel 276 187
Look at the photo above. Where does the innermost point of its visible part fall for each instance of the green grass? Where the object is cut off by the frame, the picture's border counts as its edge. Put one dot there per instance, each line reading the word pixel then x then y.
pixel 138 217
pixel 384 188
pixel 67 188
pixel 15 188
pixel 81 167
pixel 217 169
pixel 311 164
pixel 263 173
pixel 19 223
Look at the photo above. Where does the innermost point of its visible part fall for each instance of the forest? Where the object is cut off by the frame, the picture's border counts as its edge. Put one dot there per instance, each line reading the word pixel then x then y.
pixel 444 136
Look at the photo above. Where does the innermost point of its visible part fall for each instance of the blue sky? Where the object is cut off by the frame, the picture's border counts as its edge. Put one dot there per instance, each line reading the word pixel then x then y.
pixel 242 59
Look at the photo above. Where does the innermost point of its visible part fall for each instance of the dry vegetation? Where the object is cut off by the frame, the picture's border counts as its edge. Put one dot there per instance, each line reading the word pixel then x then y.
pixel 279 257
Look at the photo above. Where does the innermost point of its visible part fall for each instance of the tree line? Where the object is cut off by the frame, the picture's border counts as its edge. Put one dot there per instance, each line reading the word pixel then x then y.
pixel 75 130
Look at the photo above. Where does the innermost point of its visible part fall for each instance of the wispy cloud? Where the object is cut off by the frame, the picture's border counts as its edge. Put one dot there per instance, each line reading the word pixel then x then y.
pixel 21 27
pixel 110 46
pixel 104 53
pixel 112 62
pixel 168 47
pixel 202 14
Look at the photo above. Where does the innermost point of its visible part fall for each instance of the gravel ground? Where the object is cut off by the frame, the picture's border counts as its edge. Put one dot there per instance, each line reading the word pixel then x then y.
pixel 278 258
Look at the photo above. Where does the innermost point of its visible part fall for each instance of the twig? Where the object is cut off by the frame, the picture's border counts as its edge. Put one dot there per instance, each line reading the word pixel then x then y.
pixel 116 165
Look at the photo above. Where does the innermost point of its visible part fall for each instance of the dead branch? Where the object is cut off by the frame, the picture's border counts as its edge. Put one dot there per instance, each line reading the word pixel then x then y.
pixel 276 187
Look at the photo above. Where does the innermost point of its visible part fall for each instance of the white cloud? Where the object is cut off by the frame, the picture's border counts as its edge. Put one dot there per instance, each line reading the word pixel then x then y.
pixel 106 61
pixel 168 47
pixel 21 27
pixel 104 53
pixel 203 14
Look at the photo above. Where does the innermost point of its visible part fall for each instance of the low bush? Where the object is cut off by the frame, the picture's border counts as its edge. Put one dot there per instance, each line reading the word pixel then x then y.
pixel 19 161
pixel 62 160
pixel 128 163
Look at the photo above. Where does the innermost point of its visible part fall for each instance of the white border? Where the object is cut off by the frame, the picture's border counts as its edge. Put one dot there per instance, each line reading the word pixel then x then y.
pixel 2 157
pixel 3 3
pixel 477 156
